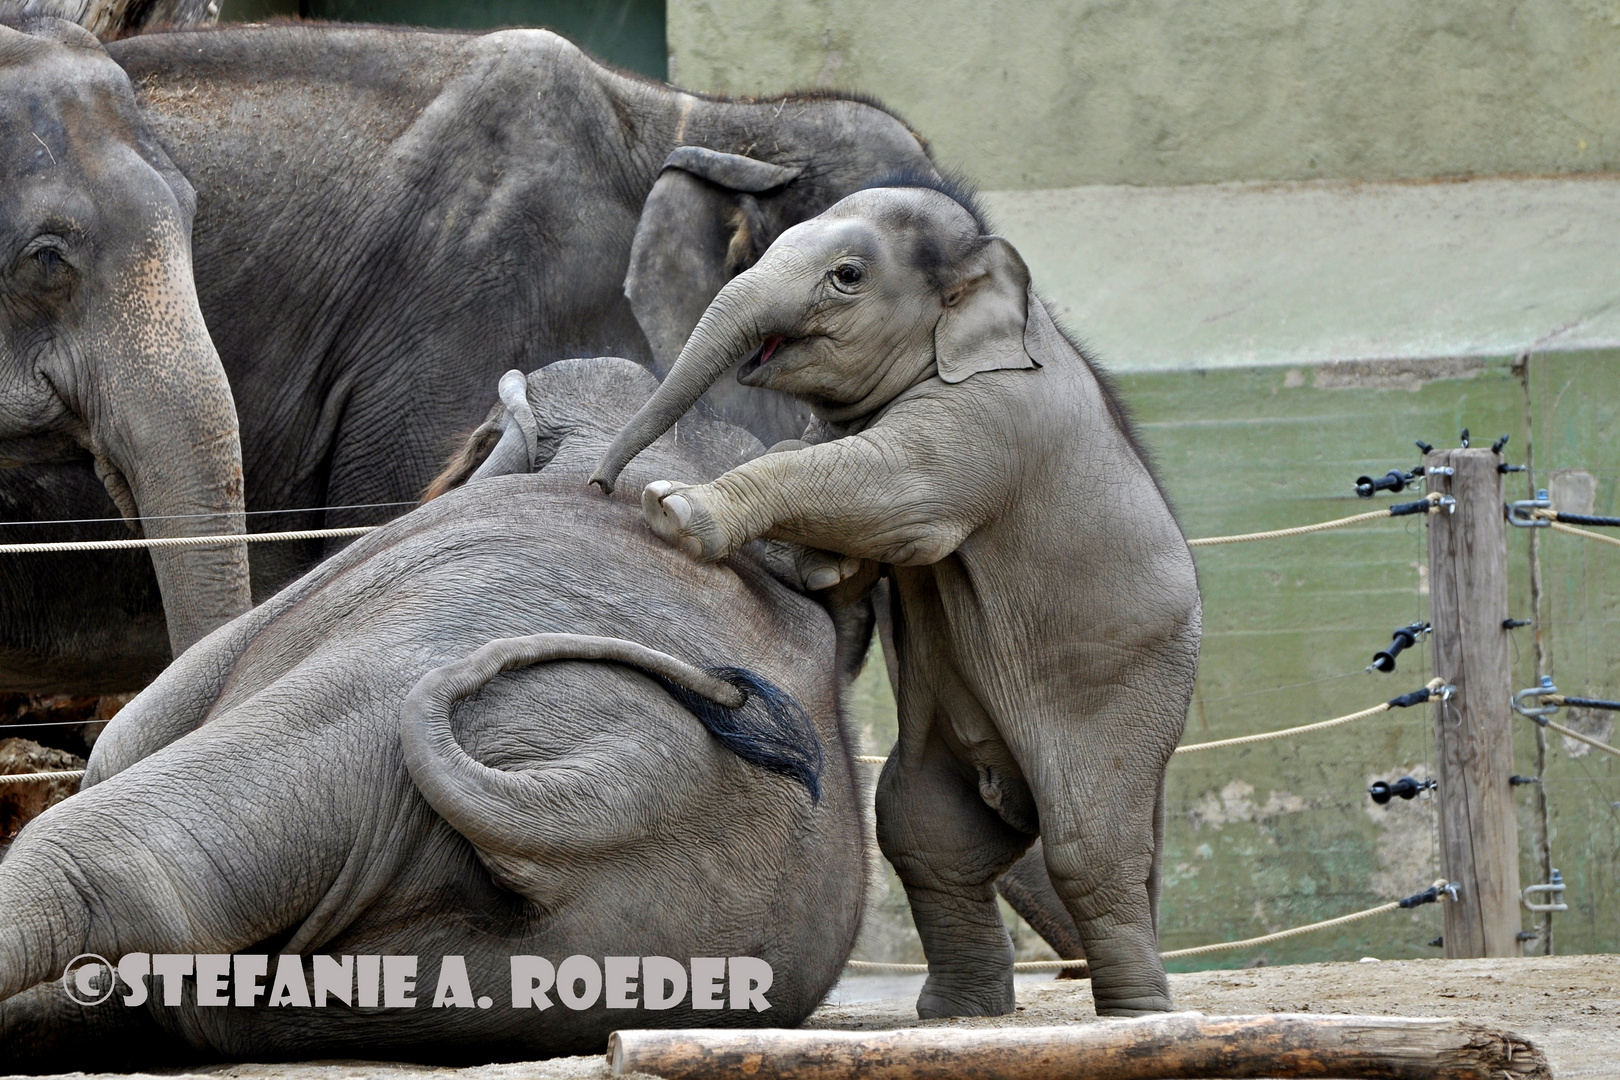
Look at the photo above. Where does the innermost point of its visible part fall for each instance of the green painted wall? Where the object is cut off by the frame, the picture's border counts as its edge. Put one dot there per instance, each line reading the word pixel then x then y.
pixel 1040 95
pixel 1280 834
pixel 1577 451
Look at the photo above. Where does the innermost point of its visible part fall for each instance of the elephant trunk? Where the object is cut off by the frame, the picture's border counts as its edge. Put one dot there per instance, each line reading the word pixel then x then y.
pixel 735 324
pixel 515 813
pixel 163 430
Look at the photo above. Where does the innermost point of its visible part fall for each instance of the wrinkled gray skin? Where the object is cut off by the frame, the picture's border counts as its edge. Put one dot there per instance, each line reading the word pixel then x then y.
pixel 1047 616
pixel 387 220
pixel 607 820
pixel 104 357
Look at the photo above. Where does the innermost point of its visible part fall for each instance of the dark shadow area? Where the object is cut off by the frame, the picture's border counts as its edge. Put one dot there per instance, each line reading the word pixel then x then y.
pixel 627 33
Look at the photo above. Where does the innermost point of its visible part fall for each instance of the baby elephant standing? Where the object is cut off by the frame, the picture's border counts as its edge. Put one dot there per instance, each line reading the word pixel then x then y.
pixel 1048 615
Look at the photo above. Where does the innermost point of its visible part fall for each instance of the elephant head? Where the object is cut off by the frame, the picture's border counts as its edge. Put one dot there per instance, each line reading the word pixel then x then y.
pixel 890 286
pixel 711 215
pixel 103 350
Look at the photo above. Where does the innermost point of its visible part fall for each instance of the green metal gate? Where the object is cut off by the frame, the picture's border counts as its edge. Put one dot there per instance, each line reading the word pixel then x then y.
pixel 626 33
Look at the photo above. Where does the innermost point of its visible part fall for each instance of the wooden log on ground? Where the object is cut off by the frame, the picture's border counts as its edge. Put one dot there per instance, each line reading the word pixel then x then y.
pixel 1176 1046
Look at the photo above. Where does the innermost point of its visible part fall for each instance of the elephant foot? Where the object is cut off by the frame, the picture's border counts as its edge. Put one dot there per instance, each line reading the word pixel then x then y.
pixel 1146 1005
pixel 944 997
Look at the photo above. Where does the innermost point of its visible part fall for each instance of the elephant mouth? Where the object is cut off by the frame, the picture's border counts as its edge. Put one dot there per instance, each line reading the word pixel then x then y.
pixel 761 356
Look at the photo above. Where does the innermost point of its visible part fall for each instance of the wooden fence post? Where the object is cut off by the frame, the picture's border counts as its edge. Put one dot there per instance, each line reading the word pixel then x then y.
pixel 1479 844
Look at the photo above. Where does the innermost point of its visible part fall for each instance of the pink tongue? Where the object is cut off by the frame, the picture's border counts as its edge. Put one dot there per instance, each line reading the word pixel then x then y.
pixel 770 346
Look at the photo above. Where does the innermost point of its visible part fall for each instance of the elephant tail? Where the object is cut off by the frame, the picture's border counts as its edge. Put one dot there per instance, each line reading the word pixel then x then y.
pixel 502 810
pixel 472 452
pixel 774 734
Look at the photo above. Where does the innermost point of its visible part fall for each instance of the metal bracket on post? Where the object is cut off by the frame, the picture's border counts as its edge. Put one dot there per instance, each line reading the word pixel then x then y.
pixel 1553 889
pixel 1522 514
pixel 1538 713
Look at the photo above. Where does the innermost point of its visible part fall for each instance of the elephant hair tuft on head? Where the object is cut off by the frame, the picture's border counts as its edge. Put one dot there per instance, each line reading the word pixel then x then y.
pixel 775 735
pixel 948 182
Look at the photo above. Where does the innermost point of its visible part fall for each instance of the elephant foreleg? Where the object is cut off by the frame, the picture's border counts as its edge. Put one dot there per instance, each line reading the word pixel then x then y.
pixel 1156 875
pixel 42 1030
pixel 894 494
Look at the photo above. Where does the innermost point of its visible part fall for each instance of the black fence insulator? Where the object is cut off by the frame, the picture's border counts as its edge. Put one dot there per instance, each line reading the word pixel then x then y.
pixel 1438 943
pixel 1496 447
pixel 1402 509
pixel 1591 703
pixel 1527 935
pixel 1406 787
pixel 1430 895
pixel 1514 624
pixel 1394 480
pixel 1416 697
pixel 1423 447
pixel 1404 638
pixel 1519 781
pixel 1589 519
pixel 1465 438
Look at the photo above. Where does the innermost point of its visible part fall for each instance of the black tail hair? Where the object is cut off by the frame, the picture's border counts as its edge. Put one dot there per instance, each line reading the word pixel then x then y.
pixel 774 734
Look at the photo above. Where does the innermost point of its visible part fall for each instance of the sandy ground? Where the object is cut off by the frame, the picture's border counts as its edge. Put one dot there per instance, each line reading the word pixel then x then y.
pixel 1569 1005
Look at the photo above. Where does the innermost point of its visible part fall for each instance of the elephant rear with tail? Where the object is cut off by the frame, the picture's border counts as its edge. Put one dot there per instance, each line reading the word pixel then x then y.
pixel 775 734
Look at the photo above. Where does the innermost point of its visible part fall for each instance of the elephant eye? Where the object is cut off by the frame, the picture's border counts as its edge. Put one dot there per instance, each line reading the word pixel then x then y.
pixel 50 268
pixel 848 274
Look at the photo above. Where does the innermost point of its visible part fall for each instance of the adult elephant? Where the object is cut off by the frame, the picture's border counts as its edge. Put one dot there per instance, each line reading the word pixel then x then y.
pixel 648 761
pixel 106 364
pixel 389 219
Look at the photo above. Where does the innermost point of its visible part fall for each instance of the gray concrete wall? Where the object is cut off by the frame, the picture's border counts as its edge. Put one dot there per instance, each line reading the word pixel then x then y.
pixel 1058 94
pixel 1248 275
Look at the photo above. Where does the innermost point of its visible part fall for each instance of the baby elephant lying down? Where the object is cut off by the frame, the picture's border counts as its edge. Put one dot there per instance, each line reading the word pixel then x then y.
pixel 1047 614
pixel 650 819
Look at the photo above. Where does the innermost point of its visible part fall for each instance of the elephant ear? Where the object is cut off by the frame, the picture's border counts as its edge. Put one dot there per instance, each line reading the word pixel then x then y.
pixel 986 315
pixel 699 228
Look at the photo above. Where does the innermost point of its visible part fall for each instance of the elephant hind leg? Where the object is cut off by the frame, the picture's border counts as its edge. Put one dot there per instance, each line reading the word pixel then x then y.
pixel 1028 889
pixel 1101 826
pixel 948 847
